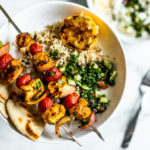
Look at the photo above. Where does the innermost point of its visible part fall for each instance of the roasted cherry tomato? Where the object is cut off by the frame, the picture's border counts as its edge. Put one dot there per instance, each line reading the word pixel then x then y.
pixel 35 48
pixel 4 60
pixel 45 104
pixel 102 85
pixel 53 74
pixel 71 100
pixel 23 80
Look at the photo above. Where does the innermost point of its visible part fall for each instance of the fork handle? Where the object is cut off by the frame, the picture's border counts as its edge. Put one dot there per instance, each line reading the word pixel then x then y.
pixel 130 130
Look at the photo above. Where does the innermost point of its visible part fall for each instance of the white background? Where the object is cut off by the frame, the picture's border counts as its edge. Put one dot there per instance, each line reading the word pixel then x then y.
pixel 138 61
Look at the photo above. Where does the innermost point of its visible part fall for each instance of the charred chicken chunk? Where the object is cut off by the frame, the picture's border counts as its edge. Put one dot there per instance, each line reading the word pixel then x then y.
pixel 54 113
pixel 80 110
pixel 12 71
pixel 23 39
pixel 33 90
pixel 42 62
pixel 60 88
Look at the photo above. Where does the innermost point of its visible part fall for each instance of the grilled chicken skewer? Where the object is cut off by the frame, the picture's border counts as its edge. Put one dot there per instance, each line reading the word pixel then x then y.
pixel 32 89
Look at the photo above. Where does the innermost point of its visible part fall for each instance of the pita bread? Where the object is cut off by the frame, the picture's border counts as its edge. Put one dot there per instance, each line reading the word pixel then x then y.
pixel 25 118
pixel 3 110
pixel 4 94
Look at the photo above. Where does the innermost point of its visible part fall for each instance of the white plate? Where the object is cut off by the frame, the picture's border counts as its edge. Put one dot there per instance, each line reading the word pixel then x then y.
pixel 35 18
pixel 123 36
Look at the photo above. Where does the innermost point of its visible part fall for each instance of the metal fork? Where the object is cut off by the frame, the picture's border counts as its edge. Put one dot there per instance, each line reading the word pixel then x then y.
pixel 143 89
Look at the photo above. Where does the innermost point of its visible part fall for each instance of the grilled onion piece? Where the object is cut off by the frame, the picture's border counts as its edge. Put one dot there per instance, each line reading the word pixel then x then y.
pixel 60 88
pixel 62 121
pixel 79 32
pixel 91 121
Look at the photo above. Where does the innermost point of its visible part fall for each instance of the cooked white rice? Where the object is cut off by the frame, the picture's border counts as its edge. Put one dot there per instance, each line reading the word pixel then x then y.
pixel 50 40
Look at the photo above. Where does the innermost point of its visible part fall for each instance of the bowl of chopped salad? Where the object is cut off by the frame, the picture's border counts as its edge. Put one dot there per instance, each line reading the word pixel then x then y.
pixel 69 63
pixel 129 18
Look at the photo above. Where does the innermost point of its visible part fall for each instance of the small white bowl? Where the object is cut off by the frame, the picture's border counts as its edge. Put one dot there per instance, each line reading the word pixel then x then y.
pixel 124 37
pixel 35 18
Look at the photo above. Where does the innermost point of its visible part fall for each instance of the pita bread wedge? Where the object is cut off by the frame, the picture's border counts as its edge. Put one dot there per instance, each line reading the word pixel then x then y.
pixel 4 94
pixel 25 118
pixel 3 110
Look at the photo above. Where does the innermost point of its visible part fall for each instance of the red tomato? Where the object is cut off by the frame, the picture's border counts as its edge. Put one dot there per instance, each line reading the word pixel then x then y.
pixel 4 60
pixel 45 104
pixel 71 100
pixel 102 85
pixel 35 48
pixel 23 80
pixel 53 74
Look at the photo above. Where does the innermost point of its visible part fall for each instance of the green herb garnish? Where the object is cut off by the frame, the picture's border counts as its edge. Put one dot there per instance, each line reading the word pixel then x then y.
pixel 54 55
pixel 38 84
pixel 86 78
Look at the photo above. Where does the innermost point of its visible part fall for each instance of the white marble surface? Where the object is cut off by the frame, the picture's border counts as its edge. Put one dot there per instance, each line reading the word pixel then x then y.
pixel 138 61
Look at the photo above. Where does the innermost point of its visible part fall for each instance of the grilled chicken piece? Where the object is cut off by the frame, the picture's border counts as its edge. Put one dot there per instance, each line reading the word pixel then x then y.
pixel 60 88
pixel 80 110
pixel 79 32
pixel 40 59
pixel 12 71
pixel 33 90
pixel 54 113
pixel 23 39
pixel 42 62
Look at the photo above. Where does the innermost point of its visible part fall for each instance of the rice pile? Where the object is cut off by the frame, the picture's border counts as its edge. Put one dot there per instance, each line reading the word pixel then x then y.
pixel 50 40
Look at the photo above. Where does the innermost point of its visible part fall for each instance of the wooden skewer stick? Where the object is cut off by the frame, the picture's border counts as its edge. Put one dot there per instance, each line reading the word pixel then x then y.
pixel 69 132
pixel 10 20
pixel 19 31
pixel 97 132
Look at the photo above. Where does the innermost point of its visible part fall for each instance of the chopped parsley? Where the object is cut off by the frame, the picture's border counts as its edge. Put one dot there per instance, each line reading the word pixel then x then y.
pixel 54 55
pixel 86 79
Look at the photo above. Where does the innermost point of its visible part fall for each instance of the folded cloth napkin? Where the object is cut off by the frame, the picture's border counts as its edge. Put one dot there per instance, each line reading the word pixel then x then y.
pixel 141 136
